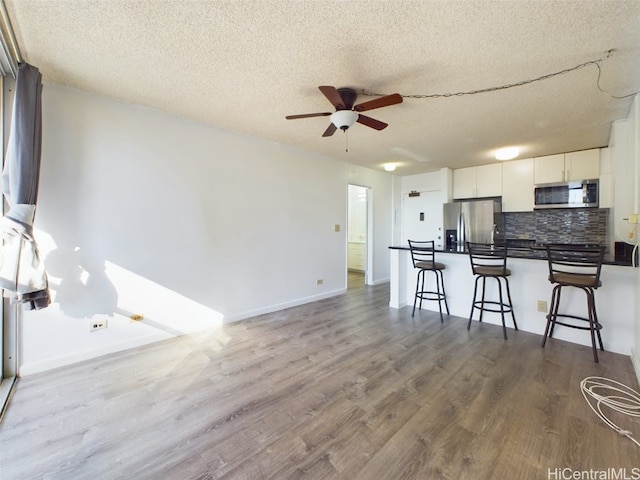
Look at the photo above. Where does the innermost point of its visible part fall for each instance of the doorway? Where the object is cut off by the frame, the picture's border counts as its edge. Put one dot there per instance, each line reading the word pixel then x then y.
pixel 358 236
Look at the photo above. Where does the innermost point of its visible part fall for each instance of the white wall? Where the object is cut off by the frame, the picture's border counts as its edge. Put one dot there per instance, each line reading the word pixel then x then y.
pixel 439 181
pixel 190 226
pixel 635 114
pixel 397 210
pixel 634 134
pixel 624 153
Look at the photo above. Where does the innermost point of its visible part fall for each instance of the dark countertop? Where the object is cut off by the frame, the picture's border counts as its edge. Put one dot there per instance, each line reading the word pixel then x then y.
pixel 535 253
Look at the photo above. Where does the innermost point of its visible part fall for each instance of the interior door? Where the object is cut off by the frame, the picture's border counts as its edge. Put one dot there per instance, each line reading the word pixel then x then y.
pixel 422 217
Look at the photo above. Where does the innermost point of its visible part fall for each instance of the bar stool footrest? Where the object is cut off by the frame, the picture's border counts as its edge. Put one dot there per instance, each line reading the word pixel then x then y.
pixel 426 295
pixel 554 319
pixel 501 307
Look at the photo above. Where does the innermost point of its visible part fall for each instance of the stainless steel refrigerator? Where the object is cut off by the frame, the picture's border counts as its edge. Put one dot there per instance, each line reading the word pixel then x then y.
pixel 471 221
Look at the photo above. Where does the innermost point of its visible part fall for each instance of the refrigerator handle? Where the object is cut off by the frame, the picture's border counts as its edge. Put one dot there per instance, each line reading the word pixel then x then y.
pixel 461 233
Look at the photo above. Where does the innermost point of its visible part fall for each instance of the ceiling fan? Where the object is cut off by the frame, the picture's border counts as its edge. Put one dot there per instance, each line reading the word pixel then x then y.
pixel 347 113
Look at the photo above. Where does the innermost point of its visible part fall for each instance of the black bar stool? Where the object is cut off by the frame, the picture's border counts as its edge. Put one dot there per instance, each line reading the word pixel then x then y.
pixel 423 257
pixel 575 266
pixel 489 260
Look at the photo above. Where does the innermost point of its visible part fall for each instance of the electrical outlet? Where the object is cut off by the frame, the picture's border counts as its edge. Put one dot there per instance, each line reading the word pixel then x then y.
pixel 97 325
pixel 542 306
pixel 319 281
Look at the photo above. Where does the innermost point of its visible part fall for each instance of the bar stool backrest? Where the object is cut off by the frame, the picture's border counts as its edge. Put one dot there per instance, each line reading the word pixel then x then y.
pixel 488 258
pixel 422 252
pixel 575 264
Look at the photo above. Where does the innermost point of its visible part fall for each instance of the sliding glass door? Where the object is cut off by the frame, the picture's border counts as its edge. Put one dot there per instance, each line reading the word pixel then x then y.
pixel 8 312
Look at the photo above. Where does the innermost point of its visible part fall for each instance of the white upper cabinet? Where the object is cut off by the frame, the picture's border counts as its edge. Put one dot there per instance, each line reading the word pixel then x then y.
pixel 489 180
pixel 464 182
pixel 549 169
pixel 476 182
pixel 565 167
pixel 583 165
pixel 517 185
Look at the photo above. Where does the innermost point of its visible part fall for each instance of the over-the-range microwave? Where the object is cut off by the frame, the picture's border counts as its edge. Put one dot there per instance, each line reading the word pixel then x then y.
pixel 566 195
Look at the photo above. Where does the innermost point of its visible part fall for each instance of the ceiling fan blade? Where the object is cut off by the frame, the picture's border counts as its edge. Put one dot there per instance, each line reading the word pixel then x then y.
pixel 333 96
pixel 307 115
pixel 371 122
pixel 385 101
pixel 330 130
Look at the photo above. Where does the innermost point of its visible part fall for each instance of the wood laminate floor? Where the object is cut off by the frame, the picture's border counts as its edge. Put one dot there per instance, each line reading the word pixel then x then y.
pixel 343 388
pixel 355 279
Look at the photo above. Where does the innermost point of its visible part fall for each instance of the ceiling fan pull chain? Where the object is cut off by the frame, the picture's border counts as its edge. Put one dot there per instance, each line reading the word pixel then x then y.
pixel 346 133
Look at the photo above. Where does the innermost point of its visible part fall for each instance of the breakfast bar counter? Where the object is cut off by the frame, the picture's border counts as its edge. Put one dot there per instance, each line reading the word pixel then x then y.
pixel 529 284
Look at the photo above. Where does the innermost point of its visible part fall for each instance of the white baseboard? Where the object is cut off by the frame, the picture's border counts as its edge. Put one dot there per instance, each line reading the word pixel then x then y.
pixel 282 306
pixel 400 305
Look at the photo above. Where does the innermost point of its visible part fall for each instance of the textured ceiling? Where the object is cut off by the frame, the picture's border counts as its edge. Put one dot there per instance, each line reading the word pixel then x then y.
pixel 244 65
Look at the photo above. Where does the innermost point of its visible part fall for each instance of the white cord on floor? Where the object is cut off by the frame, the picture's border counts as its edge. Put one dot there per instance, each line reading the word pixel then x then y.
pixel 615 395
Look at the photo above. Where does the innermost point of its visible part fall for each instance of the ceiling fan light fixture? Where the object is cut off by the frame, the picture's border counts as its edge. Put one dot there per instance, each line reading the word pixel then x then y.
pixel 343 119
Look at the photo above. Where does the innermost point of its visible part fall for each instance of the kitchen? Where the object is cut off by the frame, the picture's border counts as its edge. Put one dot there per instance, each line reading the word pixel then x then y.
pixel 511 187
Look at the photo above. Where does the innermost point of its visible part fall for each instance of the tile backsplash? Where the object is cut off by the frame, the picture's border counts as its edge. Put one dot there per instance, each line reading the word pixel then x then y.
pixel 566 225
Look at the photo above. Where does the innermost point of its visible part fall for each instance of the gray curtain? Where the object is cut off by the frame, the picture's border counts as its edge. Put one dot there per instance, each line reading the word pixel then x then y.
pixel 22 273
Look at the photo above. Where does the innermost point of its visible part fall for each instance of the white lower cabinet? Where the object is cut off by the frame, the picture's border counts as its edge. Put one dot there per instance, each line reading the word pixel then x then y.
pixel 355 256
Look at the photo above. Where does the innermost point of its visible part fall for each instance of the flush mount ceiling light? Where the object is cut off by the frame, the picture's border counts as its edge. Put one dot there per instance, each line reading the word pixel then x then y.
pixel 508 153
pixel 390 167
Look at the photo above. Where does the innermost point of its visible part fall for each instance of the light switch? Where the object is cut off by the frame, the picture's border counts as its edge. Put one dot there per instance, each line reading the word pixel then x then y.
pixel 337 227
